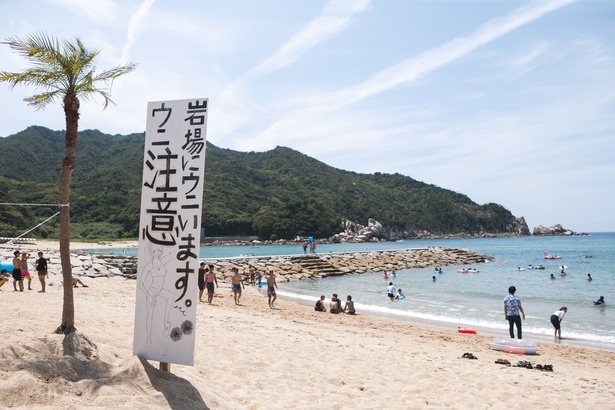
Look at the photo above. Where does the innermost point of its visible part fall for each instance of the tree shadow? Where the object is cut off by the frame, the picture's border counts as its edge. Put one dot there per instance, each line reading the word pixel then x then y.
pixel 179 393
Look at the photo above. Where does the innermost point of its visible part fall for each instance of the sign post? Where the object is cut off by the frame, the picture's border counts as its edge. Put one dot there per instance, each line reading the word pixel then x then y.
pixel 169 231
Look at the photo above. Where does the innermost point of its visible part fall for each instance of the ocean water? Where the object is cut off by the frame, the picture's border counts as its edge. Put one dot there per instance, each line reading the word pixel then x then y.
pixel 475 300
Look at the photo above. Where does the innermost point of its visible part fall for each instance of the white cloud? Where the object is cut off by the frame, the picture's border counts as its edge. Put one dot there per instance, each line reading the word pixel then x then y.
pixel 135 26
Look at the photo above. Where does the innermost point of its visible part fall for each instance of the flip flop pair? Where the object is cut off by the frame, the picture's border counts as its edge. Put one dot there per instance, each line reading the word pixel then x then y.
pixel 503 361
pixel 546 367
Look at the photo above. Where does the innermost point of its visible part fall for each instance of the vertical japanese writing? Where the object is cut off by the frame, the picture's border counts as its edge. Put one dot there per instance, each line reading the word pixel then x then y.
pixel 171 201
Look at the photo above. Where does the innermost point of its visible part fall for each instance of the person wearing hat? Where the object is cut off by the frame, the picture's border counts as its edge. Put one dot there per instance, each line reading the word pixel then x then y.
pixel 17 278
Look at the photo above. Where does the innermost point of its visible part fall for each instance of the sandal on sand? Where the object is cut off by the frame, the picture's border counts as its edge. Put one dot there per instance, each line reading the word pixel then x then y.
pixel 503 361
pixel 547 367
pixel 469 356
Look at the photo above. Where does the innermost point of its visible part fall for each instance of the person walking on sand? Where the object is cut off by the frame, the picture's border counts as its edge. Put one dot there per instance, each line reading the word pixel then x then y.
pixel 349 306
pixel 251 274
pixel 556 320
pixel 271 287
pixel 512 308
pixel 17 278
pixel 237 284
pixel 41 269
pixel 201 280
pixel 210 280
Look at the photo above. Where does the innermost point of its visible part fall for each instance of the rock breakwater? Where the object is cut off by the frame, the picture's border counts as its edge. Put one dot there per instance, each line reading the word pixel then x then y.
pixel 286 268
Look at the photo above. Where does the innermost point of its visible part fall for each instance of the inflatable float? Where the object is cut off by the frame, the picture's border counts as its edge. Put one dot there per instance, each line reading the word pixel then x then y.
pixel 517 346
pixel 466 331
pixel 7 265
pixel 545 256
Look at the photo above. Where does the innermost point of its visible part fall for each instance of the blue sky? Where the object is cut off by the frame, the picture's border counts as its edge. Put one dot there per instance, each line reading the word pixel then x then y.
pixel 509 102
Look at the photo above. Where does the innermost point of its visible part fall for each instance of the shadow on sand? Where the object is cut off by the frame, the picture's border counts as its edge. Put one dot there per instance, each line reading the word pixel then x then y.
pixel 180 393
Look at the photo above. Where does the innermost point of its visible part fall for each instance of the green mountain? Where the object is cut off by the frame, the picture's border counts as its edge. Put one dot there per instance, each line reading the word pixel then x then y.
pixel 275 194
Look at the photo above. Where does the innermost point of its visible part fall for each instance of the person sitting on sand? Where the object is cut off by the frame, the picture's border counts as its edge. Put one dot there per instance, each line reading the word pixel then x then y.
pixel 78 281
pixel 320 304
pixel 400 295
pixel 335 306
pixel 4 277
pixel 600 301
pixel 391 291
pixel 349 306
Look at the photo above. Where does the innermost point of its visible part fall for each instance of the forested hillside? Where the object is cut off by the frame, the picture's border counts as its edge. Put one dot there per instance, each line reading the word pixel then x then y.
pixel 275 194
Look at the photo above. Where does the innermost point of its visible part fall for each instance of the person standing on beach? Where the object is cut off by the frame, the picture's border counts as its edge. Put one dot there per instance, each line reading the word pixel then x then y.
pixel 251 274
pixel 41 269
pixel 17 278
pixel 237 284
pixel 556 320
pixel 25 273
pixel 210 279
pixel 201 280
pixel 271 287
pixel 512 308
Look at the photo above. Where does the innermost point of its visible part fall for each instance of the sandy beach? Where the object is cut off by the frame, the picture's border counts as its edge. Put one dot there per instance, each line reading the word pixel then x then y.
pixel 252 357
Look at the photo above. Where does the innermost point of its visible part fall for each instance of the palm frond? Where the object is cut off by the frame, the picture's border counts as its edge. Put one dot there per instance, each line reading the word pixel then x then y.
pixel 60 68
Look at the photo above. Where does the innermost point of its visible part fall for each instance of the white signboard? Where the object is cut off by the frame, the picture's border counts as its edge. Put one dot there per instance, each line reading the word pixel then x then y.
pixel 169 231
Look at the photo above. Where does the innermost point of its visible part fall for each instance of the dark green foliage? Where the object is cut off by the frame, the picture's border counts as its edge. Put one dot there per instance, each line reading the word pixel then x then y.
pixel 275 194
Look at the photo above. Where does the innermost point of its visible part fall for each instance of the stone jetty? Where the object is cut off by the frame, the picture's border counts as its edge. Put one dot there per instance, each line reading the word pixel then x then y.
pixel 286 268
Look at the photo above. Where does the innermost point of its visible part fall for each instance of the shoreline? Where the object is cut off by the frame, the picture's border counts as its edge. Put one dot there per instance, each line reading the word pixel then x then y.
pixel 302 358
pixel 224 266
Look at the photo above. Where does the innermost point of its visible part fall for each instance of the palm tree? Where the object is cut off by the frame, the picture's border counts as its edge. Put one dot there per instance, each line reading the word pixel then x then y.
pixel 62 69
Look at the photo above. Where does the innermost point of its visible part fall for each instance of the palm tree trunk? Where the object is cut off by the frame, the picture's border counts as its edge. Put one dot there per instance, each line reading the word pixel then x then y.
pixel 71 112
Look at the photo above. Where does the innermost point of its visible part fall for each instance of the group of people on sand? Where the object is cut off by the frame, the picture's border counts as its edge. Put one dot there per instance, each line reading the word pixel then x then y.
pixel 21 272
pixel 207 280
pixel 335 305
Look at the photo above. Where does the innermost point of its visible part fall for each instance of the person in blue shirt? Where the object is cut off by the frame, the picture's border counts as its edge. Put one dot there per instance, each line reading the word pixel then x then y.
pixel 512 308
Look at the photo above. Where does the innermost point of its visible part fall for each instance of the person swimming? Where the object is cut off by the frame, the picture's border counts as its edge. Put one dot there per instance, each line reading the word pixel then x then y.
pixel 600 301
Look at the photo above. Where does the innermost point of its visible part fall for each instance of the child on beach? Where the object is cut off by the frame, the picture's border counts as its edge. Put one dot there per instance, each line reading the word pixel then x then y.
pixel 271 287
pixel 349 307
pixel 335 304
pixel 41 269
pixel 320 304
pixel 556 320
pixel 391 291
pixel 25 273
pixel 237 283
pixel 4 277
pixel 400 295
